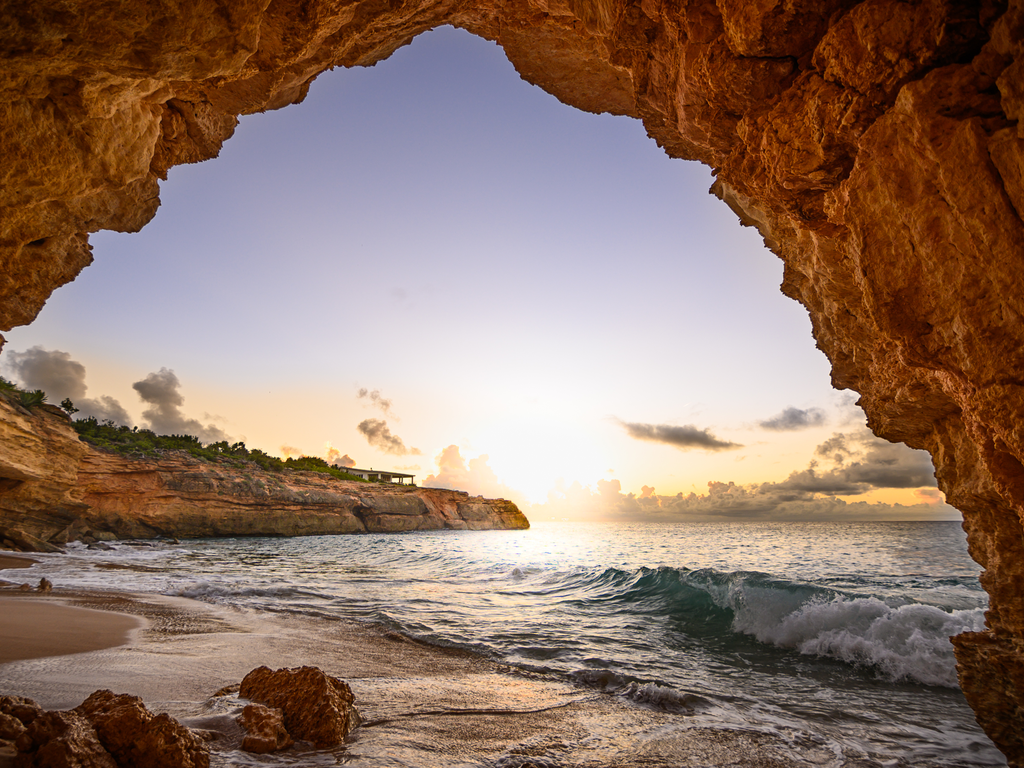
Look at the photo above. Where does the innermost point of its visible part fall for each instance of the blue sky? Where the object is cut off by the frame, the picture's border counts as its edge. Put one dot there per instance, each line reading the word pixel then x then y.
pixel 513 277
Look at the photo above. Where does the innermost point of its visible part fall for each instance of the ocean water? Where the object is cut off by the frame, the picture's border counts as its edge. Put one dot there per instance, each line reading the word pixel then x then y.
pixel 835 633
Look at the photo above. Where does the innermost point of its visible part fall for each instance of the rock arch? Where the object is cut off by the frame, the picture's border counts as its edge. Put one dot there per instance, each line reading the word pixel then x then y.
pixel 875 145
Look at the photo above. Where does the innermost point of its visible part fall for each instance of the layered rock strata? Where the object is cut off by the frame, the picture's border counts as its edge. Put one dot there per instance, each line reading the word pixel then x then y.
pixel 876 145
pixel 184 497
pixel 39 458
pixel 57 488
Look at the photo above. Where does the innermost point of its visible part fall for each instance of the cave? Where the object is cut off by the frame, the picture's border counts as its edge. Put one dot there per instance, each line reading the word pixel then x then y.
pixel 875 146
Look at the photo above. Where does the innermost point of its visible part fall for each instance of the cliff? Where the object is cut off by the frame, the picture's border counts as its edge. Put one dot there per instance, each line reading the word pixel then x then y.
pixel 39 458
pixel 875 144
pixel 54 488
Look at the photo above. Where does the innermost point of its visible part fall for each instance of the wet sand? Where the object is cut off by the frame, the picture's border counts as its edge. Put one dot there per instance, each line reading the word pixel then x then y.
pixel 39 627
pixel 421 705
pixel 15 561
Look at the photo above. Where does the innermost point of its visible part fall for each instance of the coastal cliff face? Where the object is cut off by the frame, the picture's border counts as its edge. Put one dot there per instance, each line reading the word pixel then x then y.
pixel 876 145
pixel 39 458
pixel 54 488
pixel 184 497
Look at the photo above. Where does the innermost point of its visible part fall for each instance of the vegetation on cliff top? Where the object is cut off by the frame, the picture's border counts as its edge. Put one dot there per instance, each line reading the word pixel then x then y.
pixel 23 397
pixel 133 442
pixel 144 443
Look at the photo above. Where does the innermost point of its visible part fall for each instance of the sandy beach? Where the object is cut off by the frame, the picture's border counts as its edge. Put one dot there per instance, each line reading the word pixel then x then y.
pixel 421 705
pixel 40 627
pixel 15 561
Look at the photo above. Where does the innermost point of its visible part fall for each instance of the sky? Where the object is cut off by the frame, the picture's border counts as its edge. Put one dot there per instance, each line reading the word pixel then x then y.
pixel 432 266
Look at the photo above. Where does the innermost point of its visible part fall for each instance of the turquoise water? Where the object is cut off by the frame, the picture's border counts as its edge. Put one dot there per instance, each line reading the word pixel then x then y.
pixel 834 631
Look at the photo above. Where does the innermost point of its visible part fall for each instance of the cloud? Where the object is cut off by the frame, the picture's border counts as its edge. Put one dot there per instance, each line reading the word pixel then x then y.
pixel 103 408
pixel 379 401
pixel 62 378
pixel 290 450
pixel 52 371
pixel 862 462
pixel 476 478
pixel 160 391
pixel 684 437
pixel 847 464
pixel 724 501
pixel 930 496
pixel 378 435
pixel 793 419
pixel 334 457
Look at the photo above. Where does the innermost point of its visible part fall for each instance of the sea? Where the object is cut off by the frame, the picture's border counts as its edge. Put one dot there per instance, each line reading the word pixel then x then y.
pixel 832 632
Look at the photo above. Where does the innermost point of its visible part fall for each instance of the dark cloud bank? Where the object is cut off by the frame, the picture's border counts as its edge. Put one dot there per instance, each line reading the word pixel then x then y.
pixel 161 392
pixel 685 437
pixel 378 434
pixel 793 419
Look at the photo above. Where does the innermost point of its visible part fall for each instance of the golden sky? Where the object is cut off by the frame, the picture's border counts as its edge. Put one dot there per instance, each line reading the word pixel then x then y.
pixel 434 267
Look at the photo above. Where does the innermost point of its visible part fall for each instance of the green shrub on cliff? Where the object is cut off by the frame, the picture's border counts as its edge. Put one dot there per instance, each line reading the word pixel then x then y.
pixel 23 397
pixel 133 442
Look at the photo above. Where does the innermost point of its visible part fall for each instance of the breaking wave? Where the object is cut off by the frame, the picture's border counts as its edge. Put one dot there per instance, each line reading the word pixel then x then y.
pixel 899 642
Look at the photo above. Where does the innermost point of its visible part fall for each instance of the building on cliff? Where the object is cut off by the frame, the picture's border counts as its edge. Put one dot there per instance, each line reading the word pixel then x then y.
pixel 380 476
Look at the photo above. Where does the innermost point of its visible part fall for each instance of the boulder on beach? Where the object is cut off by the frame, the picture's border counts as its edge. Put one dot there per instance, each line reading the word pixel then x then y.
pixel 138 738
pixel 106 731
pixel 264 729
pixel 316 707
pixel 61 739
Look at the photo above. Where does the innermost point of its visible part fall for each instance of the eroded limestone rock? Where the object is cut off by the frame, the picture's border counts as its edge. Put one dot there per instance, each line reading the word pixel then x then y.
pixel 316 707
pixel 66 489
pixel 264 729
pixel 106 731
pixel 876 145
pixel 136 737
pixel 61 739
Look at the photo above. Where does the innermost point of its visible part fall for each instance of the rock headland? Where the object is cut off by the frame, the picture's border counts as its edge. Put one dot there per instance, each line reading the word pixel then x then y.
pixel 55 488
pixel 875 144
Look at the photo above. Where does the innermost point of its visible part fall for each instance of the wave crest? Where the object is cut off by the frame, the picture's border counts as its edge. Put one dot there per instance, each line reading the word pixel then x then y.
pixel 907 642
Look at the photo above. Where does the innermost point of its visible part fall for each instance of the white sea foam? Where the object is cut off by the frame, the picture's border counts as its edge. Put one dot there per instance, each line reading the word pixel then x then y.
pixel 210 590
pixel 664 698
pixel 908 642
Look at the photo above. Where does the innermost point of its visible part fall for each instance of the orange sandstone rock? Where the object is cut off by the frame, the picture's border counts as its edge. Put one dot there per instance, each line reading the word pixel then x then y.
pixel 136 737
pixel 61 739
pixel 316 707
pixel 105 731
pixel 57 487
pixel 264 729
pixel 876 145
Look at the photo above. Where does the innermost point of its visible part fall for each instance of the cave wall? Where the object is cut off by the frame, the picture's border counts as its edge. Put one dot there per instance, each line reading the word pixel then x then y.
pixel 876 146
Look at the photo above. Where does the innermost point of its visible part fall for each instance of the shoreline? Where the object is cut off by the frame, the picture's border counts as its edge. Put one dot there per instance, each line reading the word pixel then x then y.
pixel 9 561
pixel 421 705
pixel 38 626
